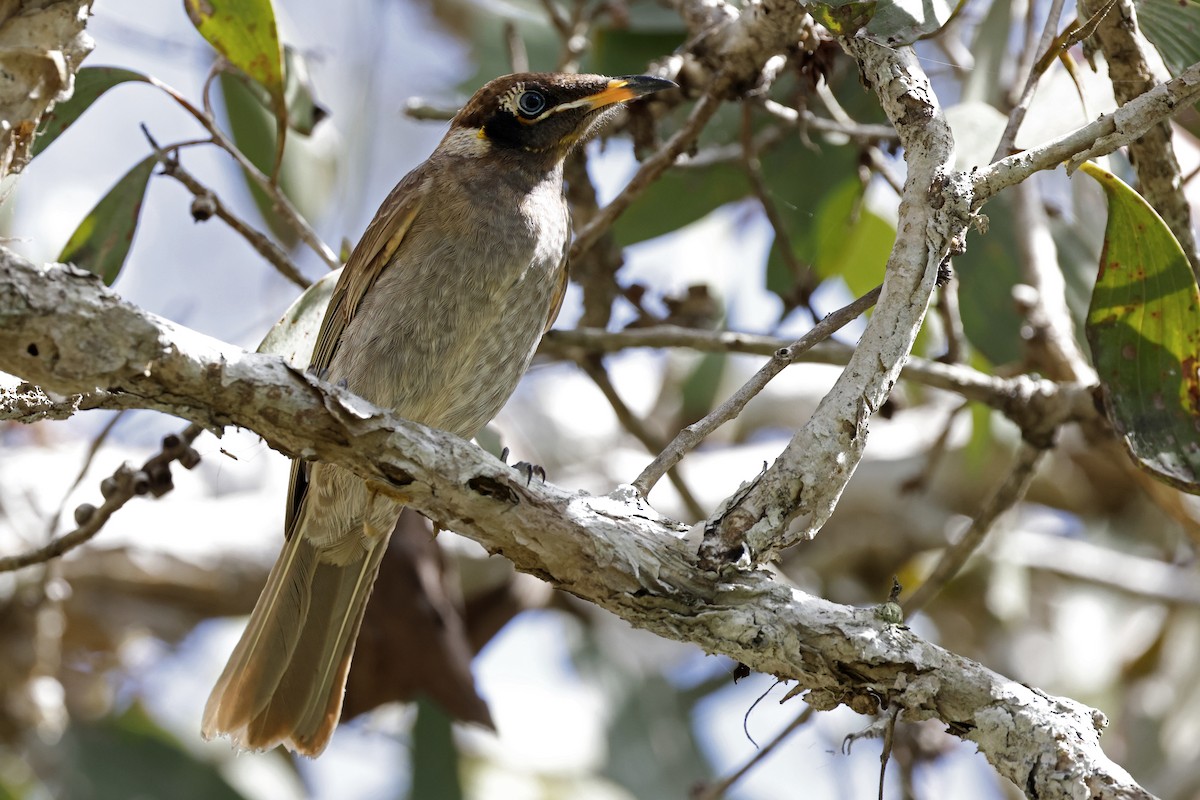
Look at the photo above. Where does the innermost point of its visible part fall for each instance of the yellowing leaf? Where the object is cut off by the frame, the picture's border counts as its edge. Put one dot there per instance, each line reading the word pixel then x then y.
pixel 1144 330
pixel 243 31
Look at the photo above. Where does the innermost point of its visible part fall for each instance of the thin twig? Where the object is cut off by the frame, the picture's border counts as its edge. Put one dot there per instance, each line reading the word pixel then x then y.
pixel 594 369
pixel 846 127
pixel 651 168
pixel 279 200
pixel 1007 495
pixel 1017 115
pixel 1052 347
pixel 1026 400
pixel 518 57
pixel 272 252
pixel 802 274
pixel 90 456
pixel 952 324
pixel 693 434
pixel 717 790
pixel 124 484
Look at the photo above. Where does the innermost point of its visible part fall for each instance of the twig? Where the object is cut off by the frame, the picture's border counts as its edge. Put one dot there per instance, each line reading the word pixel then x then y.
pixel 717 790
pixel 279 200
pixel 518 57
pixel 1005 497
pixel 651 168
pixel 1141 577
pixel 693 434
pixel 124 484
pixel 802 274
pixel 935 454
pixel 93 448
pixel 594 369
pixel 847 127
pixel 273 253
pixel 1030 402
pixel 1017 115
pixel 1053 348
pixel 952 324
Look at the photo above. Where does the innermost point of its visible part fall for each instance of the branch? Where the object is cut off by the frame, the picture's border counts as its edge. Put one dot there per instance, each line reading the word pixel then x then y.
pixel 64 330
pixel 1097 138
pixel 1035 405
pixel 806 481
pixel 1160 179
pixel 41 47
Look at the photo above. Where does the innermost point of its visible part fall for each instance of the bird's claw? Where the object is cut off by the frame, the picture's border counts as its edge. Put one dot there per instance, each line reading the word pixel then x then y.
pixel 529 470
pixel 525 468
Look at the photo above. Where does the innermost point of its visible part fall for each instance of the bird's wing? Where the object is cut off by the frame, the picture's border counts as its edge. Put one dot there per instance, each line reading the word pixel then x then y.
pixel 368 260
pixel 560 289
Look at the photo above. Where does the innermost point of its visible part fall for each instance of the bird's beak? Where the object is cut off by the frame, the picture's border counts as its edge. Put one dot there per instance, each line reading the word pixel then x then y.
pixel 627 88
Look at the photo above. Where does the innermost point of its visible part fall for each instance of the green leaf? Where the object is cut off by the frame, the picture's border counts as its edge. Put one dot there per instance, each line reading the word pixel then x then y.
pixel 853 242
pixel 103 238
pixel 1172 26
pixel 844 19
pixel 303 112
pixel 253 130
pixel 792 174
pixel 621 51
pixel 131 757
pixel 1144 330
pixel 244 33
pixel 434 756
pixel 90 83
pixel 987 272
pixel 678 198
pixel 294 336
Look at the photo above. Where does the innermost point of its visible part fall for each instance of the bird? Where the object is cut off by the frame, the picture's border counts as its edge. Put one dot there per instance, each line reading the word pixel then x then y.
pixel 436 315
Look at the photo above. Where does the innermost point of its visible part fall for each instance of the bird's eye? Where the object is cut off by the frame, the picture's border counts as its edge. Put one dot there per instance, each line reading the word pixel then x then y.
pixel 530 104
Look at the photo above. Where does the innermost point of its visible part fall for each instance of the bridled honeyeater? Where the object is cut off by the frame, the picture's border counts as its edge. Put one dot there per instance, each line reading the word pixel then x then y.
pixel 436 315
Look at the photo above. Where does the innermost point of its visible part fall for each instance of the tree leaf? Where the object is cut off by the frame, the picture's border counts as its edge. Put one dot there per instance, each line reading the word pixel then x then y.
pixel 1173 27
pixel 1144 330
pixel 90 83
pixel 434 755
pixel 104 237
pixel 303 112
pixel 244 33
pixel 294 336
pixel 118 758
pixel 844 19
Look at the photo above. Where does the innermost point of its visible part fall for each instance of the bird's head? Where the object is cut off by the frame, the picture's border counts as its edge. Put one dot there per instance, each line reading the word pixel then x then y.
pixel 542 114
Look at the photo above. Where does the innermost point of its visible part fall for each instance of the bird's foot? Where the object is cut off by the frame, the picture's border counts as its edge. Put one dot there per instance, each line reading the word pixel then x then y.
pixel 525 468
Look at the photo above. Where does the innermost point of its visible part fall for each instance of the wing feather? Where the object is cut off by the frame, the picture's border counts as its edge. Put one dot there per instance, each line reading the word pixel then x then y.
pixel 371 255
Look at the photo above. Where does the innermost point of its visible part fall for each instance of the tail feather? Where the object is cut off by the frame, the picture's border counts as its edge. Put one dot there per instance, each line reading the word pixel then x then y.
pixel 285 680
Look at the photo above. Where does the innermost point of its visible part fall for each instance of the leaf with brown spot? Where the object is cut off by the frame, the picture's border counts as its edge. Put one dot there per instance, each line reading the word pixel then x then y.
pixel 1144 330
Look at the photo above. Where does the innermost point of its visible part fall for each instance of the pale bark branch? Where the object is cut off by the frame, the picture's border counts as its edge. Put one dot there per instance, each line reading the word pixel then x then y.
pixel 1160 180
pixel 794 498
pixel 1099 137
pixel 64 330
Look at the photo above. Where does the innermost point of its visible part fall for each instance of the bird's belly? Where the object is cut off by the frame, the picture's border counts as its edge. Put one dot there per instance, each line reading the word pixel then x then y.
pixel 464 318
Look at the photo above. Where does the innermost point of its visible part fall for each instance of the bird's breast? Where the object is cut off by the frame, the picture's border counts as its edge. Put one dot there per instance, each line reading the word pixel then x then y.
pixel 452 322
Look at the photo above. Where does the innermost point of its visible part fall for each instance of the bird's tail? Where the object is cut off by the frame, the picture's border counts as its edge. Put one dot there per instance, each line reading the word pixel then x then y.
pixel 285 680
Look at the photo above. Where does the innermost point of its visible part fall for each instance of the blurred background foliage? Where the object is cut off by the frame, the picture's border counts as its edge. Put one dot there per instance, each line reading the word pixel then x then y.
pixel 1087 589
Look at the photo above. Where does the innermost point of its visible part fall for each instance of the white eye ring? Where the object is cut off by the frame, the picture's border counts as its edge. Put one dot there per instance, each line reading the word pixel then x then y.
pixel 531 103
